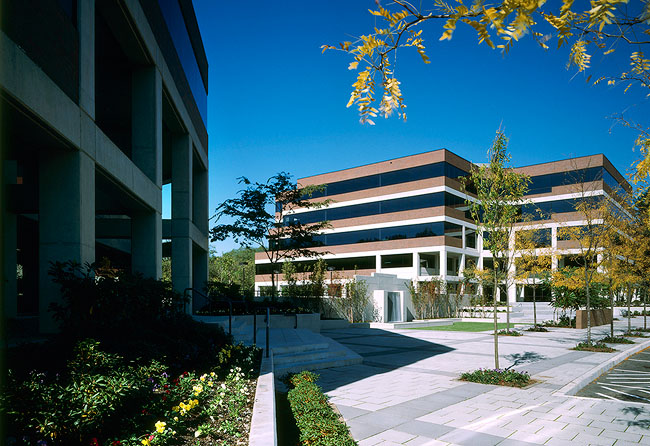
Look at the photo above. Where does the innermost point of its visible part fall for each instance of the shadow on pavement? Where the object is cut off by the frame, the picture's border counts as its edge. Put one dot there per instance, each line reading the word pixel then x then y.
pixel 524 358
pixel 643 423
pixel 382 351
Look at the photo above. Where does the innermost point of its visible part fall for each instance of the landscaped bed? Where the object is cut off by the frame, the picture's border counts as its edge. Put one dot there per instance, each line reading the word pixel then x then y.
pixel 500 377
pixel 317 422
pixel 128 368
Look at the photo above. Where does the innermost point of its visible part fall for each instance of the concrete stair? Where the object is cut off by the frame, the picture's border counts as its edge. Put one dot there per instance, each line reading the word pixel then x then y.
pixel 295 350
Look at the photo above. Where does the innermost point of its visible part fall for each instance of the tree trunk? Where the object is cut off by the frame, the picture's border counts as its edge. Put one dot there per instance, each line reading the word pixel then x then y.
pixel 272 286
pixel 534 308
pixel 588 308
pixel 611 303
pixel 507 313
pixel 645 313
pixel 496 326
pixel 629 312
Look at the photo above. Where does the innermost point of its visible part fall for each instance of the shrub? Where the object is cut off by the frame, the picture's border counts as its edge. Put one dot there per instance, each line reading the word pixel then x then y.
pixel 97 390
pixel 509 333
pixel 500 377
pixel 133 316
pixel 537 329
pixel 616 340
pixel 594 347
pixel 316 420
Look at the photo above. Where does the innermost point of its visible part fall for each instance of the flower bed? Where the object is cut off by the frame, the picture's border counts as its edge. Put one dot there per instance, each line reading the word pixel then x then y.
pixel 102 399
pixel 509 333
pixel 317 422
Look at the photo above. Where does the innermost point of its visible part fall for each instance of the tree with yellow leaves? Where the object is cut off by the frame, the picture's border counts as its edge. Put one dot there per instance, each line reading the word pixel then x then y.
pixel 598 28
pixel 499 196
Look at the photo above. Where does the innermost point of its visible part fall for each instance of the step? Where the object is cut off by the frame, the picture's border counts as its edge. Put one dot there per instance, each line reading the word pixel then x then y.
pixel 350 359
pixel 305 356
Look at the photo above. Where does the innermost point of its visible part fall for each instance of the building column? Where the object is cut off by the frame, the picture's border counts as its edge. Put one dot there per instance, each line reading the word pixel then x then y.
pixel 182 213
pixel 200 211
pixel 378 263
pixel 146 109
pixel 146 243
pixel 66 220
pixel 9 233
pixel 443 265
pixel 200 277
pixel 416 265
pixel 86 23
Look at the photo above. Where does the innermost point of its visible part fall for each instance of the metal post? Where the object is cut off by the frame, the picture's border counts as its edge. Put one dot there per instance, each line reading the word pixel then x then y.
pixel 255 326
pixel 268 322
pixel 229 317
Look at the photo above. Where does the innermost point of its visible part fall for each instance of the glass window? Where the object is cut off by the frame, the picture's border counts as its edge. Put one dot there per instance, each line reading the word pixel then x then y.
pixel 389 178
pixel 470 238
pixel 397 261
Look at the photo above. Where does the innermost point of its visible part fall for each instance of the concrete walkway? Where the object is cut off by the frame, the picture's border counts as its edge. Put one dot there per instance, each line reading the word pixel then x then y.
pixel 407 390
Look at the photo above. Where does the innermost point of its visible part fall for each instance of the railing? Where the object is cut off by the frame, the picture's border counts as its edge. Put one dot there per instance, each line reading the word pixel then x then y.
pixel 230 303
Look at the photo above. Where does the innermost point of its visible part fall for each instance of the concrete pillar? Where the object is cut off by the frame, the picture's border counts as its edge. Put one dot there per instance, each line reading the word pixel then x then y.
pixel 182 192
pixel 200 277
pixel 86 24
pixel 146 118
pixel 416 266
pixel 443 265
pixel 378 263
pixel 66 220
pixel 146 243
pixel 9 244
pixel 200 210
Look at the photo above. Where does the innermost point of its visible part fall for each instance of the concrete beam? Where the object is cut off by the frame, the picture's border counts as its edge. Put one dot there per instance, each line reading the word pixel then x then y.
pixel 86 24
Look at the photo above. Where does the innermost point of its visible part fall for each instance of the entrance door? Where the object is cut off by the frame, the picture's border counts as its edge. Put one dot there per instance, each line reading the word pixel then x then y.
pixel 393 307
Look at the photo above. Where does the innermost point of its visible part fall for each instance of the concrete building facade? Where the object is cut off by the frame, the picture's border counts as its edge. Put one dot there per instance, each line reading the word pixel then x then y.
pixel 408 218
pixel 102 104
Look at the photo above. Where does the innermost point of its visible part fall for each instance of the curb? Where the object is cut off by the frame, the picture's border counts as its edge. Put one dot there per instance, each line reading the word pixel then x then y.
pixel 263 429
pixel 577 384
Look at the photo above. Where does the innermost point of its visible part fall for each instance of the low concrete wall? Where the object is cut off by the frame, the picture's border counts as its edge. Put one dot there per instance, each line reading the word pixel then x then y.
pixel 263 426
pixel 305 321
pixel 598 317
pixel 333 324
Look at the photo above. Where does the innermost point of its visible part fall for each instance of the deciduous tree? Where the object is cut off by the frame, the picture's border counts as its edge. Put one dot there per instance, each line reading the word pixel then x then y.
pixel 496 209
pixel 597 28
pixel 257 220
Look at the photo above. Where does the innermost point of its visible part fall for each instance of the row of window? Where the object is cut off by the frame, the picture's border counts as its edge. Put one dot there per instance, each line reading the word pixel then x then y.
pixel 377 207
pixel 389 178
pixel 542 184
pixel 539 184
pixel 429 261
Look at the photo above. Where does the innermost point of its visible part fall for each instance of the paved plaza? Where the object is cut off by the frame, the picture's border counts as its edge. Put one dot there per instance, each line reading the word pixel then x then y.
pixel 407 391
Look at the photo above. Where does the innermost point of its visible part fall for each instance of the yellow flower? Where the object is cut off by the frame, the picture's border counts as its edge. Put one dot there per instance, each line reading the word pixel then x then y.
pixel 202 378
pixel 160 426
pixel 175 408
pixel 146 442
pixel 175 418
pixel 212 374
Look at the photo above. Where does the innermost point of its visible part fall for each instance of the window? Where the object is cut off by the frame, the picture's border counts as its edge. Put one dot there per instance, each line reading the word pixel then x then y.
pixel 397 261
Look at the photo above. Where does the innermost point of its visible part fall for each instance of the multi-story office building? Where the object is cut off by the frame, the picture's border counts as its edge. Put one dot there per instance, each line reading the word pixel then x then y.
pixel 102 104
pixel 408 217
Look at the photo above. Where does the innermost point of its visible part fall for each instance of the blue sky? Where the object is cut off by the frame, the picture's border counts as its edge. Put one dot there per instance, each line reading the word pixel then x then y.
pixel 276 103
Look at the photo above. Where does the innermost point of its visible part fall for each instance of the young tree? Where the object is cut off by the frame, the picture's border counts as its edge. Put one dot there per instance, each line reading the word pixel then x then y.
pixel 533 263
pixel 588 238
pixel 597 28
pixel 496 209
pixel 258 220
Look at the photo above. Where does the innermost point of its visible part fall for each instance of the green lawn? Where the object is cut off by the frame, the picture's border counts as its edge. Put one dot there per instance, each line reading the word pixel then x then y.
pixel 466 326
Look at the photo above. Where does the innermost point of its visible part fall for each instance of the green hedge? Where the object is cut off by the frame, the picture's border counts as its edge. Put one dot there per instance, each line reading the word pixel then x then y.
pixel 317 422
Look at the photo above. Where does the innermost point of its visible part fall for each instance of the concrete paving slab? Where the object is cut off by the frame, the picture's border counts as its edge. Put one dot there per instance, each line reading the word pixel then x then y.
pixel 410 375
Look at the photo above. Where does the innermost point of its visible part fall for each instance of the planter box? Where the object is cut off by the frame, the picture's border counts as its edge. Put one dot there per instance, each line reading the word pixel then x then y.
pixel 598 317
